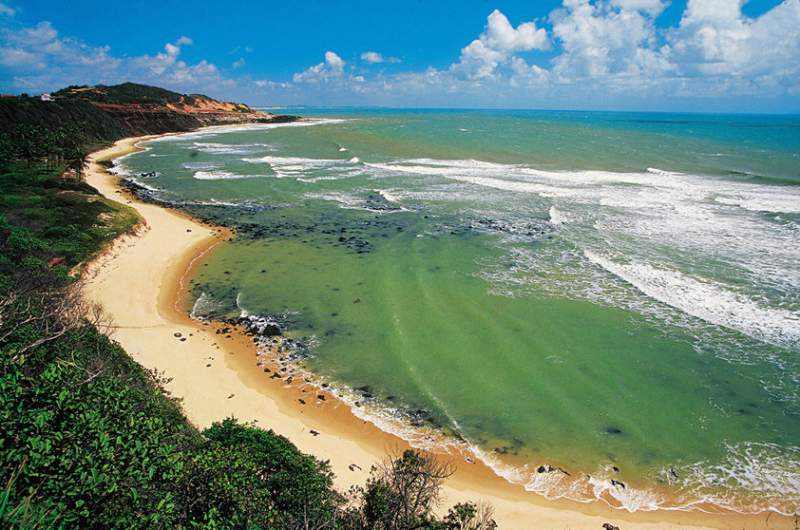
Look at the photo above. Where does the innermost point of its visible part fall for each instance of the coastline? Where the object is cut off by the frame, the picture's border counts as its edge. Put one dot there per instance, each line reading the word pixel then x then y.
pixel 140 282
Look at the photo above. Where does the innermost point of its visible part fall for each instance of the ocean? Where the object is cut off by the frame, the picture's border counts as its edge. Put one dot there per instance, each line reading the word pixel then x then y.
pixel 599 305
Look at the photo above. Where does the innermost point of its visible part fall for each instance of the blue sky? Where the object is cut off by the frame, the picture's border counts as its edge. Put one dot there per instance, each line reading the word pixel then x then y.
pixel 714 55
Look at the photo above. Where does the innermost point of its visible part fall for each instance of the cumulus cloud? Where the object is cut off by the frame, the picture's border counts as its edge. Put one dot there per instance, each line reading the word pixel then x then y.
pixel 266 83
pixel 41 59
pixel 377 58
pixel 335 62
pixel 651 7
pixel 606 47
pixel 372 57
pixel 595 48
pixel 497 44
pixel 599 40
pixel 36 47
pixel 14 57
pixel 331 68
pixel 161 62
pixel 714 38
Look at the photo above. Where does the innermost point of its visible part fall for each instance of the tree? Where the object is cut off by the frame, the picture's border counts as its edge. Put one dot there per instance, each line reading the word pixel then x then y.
pixel 402 493
pixel 470 516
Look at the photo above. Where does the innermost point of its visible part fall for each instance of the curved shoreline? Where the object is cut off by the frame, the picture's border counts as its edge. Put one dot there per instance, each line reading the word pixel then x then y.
pixel 140 282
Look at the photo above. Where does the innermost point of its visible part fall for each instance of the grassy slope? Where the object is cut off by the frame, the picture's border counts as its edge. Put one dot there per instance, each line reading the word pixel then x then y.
pixel 71 218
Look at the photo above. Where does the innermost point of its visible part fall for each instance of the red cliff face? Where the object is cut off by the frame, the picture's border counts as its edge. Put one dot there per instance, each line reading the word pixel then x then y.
pixel 107 113
pixel 155 118
pixel 143 109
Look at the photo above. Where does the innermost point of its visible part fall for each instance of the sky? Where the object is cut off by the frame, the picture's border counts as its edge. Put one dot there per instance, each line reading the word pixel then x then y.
pixel 659 55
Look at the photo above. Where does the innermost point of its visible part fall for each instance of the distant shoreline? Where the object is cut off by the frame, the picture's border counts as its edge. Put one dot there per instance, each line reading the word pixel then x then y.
pixel 141 283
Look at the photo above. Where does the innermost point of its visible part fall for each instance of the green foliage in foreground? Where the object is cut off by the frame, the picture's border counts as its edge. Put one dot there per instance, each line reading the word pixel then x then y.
pixel 89 439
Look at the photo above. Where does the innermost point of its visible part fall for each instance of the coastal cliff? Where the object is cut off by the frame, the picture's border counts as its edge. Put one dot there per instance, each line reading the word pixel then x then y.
pixel 107 113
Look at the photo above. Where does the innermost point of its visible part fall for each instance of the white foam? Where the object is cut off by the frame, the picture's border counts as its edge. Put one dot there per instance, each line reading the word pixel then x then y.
pixel 200 165
pixel 226 129
pixel 557 217
pixel 707 300
pixel 144 185
pixel 752 477
pixel 390 195
pixel 687 222
pixel 296 162
pixel 204 306
pixel 215 148
pixel 221 175
pixel 349 201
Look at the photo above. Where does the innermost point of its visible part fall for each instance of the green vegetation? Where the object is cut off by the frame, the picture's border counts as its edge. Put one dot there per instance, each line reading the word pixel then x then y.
pixel 135 94
pixel 90 439
pixel 122 94
pixel 93 125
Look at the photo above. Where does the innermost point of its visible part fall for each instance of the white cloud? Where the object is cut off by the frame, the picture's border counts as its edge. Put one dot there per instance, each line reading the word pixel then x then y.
pixel 372 57
pixel 6 10
pixel 497 44
pixel 335 62
pixel 331 68
pixel 601 49
pixel 161 62
pixel 12 57
pixel 41 45
pixel 43 60
pixel 714 38
pixel 651 7
pixel 604 49
pixel 600 40
pixel 266 83
pixel 172 50
pixel 377 58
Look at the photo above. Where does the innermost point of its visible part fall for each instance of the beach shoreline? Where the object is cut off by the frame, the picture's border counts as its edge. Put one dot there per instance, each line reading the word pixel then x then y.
pixel 141 283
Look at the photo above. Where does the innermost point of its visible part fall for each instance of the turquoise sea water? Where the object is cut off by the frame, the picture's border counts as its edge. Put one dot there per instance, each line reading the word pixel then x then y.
pixel 613 294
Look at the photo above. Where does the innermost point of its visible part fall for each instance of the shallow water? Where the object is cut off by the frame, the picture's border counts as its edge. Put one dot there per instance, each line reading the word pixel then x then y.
pixel 587 290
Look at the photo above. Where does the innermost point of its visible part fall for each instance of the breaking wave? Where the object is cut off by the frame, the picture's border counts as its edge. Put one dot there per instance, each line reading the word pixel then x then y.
pixel 222 175
pixel 707 300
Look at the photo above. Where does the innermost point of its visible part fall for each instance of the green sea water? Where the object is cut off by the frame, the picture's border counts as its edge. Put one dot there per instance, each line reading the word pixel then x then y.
pixel 614 294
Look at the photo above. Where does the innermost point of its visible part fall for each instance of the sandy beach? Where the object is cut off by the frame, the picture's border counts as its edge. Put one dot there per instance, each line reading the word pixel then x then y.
pixel 140 283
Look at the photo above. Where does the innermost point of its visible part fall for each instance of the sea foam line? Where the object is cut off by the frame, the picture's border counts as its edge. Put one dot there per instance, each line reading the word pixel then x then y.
pixel 708 301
